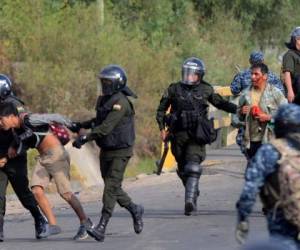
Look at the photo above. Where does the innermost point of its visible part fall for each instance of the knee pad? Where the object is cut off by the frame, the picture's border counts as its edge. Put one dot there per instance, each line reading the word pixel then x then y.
pixel 193 169
pixel 192 190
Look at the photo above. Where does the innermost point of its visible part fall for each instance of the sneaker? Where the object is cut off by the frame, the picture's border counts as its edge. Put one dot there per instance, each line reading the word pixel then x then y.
pixel 41 228
pixel 54 229
pixel 1 236
pixel 81 233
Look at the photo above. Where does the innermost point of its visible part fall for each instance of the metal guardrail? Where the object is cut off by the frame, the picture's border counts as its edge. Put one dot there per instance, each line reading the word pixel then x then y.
pixel 221 120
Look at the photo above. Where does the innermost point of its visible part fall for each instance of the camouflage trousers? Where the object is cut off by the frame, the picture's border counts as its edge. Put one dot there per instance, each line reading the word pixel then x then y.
pixel 239 140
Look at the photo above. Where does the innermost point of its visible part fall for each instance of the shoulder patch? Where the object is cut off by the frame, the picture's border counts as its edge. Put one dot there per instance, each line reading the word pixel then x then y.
pixel 117 107
pixel 20 109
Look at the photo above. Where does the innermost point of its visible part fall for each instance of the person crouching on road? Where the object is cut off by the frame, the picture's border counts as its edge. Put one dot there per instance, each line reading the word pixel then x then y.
pixel 113 130
pixel 54 160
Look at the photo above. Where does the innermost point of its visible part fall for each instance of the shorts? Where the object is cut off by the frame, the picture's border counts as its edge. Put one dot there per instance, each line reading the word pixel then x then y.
pixel 55 163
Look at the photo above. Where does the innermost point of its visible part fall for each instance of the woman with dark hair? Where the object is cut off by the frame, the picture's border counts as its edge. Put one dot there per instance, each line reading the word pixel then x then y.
pixel 291 66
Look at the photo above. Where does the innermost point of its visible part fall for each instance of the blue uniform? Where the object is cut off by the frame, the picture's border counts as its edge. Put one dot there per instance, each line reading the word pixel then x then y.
pixel 263 164
pixel 242 80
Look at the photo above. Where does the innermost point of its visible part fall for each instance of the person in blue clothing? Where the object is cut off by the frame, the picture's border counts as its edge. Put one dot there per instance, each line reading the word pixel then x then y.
pixel 262 171
pixel 242 80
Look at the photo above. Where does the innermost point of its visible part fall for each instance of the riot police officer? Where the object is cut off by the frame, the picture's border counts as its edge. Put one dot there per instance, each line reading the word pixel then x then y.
pixel 113 130
pixel 188 102
pixel 15 169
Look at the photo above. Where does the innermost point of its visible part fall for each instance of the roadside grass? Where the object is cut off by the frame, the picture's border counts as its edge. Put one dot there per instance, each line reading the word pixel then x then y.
pixel 144 166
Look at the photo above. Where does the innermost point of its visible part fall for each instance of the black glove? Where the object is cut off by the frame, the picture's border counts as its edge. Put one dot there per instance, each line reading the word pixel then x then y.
pixel 75 127
pixel 80 140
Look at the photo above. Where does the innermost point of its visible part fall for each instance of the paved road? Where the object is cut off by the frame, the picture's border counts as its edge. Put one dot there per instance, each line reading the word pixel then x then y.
pixel 165 225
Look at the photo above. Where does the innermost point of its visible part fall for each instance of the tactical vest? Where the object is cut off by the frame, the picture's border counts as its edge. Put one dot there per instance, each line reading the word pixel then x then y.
pixel 269 194
pixel 123 135
pixel 188 104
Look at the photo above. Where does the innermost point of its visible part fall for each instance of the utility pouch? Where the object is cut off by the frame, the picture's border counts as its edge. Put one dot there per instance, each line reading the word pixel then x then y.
pixel 189 119
pixel 205 132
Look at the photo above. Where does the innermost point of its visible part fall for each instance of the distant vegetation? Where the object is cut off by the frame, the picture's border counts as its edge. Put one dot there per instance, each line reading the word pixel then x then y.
pixel 54 49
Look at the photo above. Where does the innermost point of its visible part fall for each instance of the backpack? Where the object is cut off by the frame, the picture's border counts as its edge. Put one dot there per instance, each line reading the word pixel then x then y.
pixel 57 125
pixel 61 132
pixel 289 181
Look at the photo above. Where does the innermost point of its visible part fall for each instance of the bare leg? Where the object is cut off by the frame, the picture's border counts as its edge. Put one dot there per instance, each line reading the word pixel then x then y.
pixel 44 204
pixel 76 205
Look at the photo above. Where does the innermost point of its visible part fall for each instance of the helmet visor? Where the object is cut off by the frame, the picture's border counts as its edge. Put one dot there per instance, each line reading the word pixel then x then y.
pixel 190 75
pixel 107 86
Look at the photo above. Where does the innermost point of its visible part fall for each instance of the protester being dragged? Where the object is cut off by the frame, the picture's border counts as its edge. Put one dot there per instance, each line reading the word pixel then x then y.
pixel 14 170
pixel 34 131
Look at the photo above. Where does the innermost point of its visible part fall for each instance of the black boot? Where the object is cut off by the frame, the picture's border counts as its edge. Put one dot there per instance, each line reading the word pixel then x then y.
pixel 1 228
pixel 136 212
pixel 41 227
pixel 98 232
pixel 195 201
pixel 191 195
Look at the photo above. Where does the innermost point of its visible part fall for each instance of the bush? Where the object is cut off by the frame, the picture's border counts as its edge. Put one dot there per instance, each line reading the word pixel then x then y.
pixel 57 50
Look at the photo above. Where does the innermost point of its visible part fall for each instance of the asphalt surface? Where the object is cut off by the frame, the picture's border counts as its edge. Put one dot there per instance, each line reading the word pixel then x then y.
pixel 165 225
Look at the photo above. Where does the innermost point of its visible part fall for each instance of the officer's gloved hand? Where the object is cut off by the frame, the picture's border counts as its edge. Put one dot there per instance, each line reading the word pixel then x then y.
pixel 80 140
pixel 241 231
pixel 75 127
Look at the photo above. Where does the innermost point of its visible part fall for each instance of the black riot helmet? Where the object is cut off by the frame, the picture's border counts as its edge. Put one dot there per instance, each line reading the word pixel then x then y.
pixel 5 86
pixel 192 66
pixel 113 79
